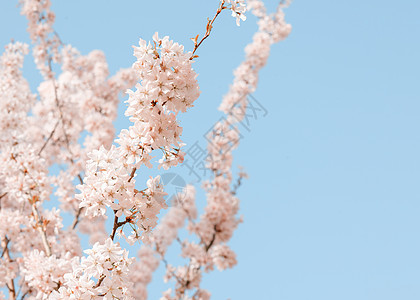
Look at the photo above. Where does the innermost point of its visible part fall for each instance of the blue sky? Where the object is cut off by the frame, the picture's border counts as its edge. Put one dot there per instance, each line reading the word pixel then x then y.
pixel 331 208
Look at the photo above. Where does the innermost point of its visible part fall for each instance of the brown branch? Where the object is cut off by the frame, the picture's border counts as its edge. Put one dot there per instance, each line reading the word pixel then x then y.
pixel 49 138
pixel 10 284
pixel 133 172
pixel 211 242
pixel 112 235
pixel 79 212
pixel 1 197
pixel 59 108
pixel 77 218
pixel 118 224
pixel 40 225
pixel 237 185
pixel 80 177
pixel 165 262
pixel 99 281
pixel 41 228
pixel 115 226
pixel 209 27
pixel 185 283
pixel 24 295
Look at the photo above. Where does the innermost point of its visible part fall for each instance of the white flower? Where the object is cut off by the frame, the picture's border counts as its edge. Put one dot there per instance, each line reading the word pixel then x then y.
pixel 238 8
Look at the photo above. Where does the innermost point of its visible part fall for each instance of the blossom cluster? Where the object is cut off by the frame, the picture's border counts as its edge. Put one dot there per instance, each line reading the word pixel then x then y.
pixel 63 136
pixel 167 86
pixel 41 132
pixel 40 27
pixel 217 224
pixel 150 253
pixel 238 8
pixel 108 264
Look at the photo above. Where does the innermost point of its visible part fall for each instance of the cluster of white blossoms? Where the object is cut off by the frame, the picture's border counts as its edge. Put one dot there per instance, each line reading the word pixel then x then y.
pixel 103 274
pixel 40 132
pixel 15 95
pixel 167 86
pixel 40 27
pixel 67 126
pixel 45 273
pixel 80 105
pixel 238 8
pixel 162 237
pixel 217 224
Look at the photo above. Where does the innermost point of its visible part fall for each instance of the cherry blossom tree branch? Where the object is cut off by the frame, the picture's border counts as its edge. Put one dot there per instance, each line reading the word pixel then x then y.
pixel 127 220
pixel 76 218
pixel 25 294
pixel 209 27
pixel 133 172
pixel 78 214
pixel 10 284
pixel 49 138
pixel 40 224
pixel 41 227
pixel 207 247
pixel 109 182
pixel 1 197
pixel 165 262
pixel 79 211
pixel 238 183
pixel 100 280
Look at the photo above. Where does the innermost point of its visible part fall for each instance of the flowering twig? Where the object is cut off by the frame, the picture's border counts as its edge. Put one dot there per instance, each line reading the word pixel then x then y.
pixel 77 218
pixel 209 27
pixel 49 138
pixel 40 227
pixel 118 224
pixel 10 284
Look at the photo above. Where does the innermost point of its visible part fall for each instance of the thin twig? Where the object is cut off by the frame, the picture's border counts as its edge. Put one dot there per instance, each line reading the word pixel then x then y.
pixel 10 284
pixel 237 185
pixel 115 226
pixel 59 108
pixel 24 295
pixel 133 172
pixel 100 281
pixel 77 218
pixel 41 229
pixel 211 242
pixel 118 224
pixel 208 29
pixel 1 197
pixel 49 138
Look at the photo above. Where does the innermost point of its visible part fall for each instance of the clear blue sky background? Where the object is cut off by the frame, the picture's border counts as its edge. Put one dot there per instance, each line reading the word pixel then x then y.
pixel 332 207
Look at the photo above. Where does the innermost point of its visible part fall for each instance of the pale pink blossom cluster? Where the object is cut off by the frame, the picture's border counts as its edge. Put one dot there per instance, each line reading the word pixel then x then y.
pixel 67 126
pixel 44 274
pixel 167 86
pixel 272 29
pixel 103 274
pixel 151 253
pixel 81 102
pixel 217 224
pixel 41 132
pixel 238 8
pixel 214 227
pixel 40 27
pixel 16 98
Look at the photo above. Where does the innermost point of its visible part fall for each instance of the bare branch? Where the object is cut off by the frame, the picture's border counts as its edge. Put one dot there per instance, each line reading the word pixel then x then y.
pixel 209 27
